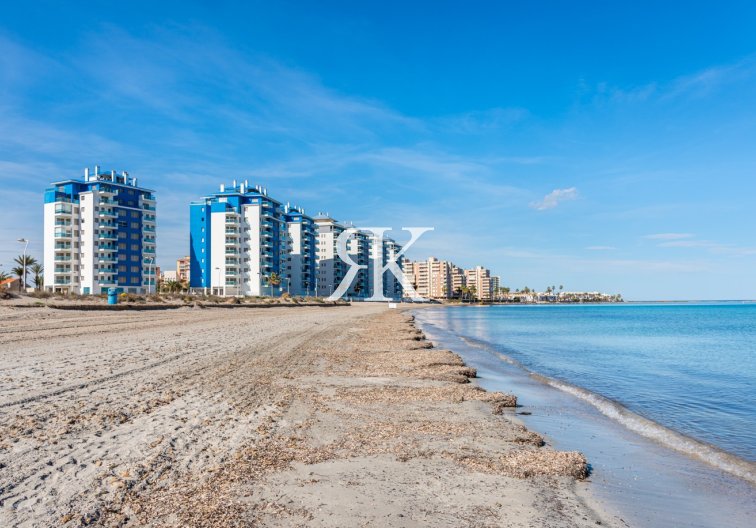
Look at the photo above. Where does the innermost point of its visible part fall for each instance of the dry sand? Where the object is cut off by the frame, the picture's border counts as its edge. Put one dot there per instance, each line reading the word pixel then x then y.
pixel 339 416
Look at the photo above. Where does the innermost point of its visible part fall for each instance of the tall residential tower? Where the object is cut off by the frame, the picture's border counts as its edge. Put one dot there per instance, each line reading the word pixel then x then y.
pixel 99 233
pixel 243 242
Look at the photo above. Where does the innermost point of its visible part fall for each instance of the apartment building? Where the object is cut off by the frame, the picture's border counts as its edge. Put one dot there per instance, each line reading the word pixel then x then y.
pixel 331 270
pixel 183 267
pixel 392 286
pixel 99 233
pixel 480 279
pixel 240 243
pixel 300 268
pixel 431 278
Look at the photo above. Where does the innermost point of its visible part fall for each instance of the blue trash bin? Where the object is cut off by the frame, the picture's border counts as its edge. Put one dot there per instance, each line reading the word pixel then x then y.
pixel 112 296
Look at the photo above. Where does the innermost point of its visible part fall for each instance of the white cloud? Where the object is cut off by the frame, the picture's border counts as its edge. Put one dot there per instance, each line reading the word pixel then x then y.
pixel 668 236
pixel 554 198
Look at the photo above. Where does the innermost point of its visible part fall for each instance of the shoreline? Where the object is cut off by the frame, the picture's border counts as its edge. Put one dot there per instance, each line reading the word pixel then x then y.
pixel 631 468
pixel 347 416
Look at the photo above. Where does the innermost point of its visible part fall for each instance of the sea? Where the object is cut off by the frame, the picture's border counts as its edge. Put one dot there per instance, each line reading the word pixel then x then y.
pixel 660 397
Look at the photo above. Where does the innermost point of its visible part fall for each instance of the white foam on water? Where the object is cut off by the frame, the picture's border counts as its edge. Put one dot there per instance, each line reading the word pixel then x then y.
pixel 639 424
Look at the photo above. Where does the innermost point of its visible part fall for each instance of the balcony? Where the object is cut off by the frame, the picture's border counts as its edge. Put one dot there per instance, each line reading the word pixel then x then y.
pixel 232 232
pixel 62 246
pixel 63 234
pixel 107 282
pixel 149 229
pixel 107 236
pixel 63 258
pixel 62 281
pixel 62 271
pixel 107 260
pixel 148 207
pixel 107 248
pixel 108 214
pixel 148 219
pixel 231 252
pixel 149 250
pixel 63 210
pixel 107 201
pixel 106 271
pixel 148 197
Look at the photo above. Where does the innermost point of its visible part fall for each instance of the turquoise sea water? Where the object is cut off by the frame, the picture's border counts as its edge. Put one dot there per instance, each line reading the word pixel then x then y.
pixel 687 368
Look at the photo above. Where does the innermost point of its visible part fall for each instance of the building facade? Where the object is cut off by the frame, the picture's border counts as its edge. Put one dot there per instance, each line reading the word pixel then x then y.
pixel 99 233
pixel 432 278
pixel 241 244
pixel 331 270
pixel 183 267
pixel 479 278
pixel 300 269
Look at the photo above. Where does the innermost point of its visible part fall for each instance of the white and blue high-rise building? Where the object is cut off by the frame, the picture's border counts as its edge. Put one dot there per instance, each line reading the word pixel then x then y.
pixel 99 233
pixel 243 242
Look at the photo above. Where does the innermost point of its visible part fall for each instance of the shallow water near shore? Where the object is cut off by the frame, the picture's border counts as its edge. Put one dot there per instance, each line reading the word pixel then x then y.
pixel 638 476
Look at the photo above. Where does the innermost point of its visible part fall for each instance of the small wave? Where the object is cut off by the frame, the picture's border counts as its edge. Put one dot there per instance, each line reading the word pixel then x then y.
pixel 635 422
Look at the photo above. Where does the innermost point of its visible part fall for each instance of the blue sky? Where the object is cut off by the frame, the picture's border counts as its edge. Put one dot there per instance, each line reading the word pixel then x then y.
pixel 594 145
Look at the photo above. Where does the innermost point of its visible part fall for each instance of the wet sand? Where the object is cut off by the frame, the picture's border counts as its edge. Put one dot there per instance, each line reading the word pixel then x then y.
pixel 286 417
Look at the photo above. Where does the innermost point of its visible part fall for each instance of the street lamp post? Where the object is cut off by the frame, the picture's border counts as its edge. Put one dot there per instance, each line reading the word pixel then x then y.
pixel 151 261
pixel 26 245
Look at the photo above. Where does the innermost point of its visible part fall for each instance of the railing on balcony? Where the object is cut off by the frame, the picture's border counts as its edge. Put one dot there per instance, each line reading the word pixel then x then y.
pixel 108 214
pixel 63 234
pixel 149 250
pixel 62 281
pixel 148 207
pixel 62 258
pixel 61 209
pixel 63 270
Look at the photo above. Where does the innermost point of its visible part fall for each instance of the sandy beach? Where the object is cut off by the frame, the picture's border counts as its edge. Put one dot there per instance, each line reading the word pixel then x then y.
pixel 344 416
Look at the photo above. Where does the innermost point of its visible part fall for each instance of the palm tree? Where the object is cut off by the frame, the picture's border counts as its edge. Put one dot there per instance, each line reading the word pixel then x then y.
pixel 473 292
pixel 273 279
pixel 23 261
pixel 18 271
pixel 37 270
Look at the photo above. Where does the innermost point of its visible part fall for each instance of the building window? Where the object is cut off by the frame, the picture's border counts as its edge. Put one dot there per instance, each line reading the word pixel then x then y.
pixel 134 225
pixel 134 258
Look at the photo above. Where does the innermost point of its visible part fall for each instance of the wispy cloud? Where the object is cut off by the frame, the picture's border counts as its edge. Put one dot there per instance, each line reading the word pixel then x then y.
pixel 601 248
pixel 668 236
pixel 554 198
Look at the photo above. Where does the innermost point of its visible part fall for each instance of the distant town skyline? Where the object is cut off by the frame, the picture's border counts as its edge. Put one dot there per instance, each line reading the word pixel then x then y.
pixel 603 148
